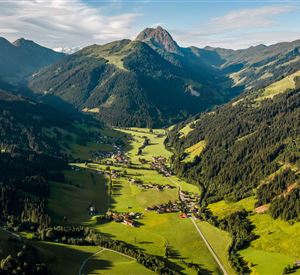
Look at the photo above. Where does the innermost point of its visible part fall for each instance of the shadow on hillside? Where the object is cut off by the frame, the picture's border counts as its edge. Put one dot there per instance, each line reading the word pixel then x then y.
pixel 95 264
pixel 65 259
pixel 116 189
pixel 173 253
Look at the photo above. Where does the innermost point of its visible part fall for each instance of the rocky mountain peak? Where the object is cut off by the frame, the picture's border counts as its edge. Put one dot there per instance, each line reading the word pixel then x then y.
pixel 159 38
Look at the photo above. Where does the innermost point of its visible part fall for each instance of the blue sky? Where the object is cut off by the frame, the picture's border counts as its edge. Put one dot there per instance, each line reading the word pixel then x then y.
pixel 78 23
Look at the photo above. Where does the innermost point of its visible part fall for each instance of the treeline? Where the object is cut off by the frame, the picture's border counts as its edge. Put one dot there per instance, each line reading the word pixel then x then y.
pixel 287 207
pixel 20 258
pixel 80 235
pixel 24 188
pixel 244 145
pixel 277 186
pixel 241 230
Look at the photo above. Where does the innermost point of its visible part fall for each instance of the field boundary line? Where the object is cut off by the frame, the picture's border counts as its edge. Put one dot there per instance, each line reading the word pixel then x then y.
pixel 98 252
pixel 87 259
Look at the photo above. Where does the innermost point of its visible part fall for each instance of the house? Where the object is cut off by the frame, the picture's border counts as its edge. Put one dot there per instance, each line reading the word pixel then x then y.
pixel 92 210
pixel 129 222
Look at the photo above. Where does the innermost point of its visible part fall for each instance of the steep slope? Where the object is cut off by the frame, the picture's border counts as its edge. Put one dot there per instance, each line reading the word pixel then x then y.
pixel 244 143
pixel 261 65
pixel 128 83
pixel 159 39
pixel 23 57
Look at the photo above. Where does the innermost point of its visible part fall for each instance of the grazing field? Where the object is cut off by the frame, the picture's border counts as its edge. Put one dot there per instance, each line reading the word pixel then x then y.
pixel 157 230
pixel 109 262
pixel 276 235
pixel 223 208
pixel 264 262
pixel 277 244
pixel 155 148
pixel 219 240
pixel 84 186
pixel 194 151
pixel 72 199
pixel 185 130
pixel 280 86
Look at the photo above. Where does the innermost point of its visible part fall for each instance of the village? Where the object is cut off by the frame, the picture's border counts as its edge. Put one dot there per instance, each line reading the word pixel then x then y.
pixel 187 204
pixel 139 183
pixel 160 165
pixel 124 218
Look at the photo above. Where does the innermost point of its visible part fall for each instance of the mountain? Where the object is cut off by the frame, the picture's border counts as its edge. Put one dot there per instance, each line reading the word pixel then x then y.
pixel 152 81
pixel 22 57
pixel 236 149
pixel 159 39
pixel 129 83
pixel 259 65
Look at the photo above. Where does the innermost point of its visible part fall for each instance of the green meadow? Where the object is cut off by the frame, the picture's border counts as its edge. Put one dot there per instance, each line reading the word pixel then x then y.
pixel 277 244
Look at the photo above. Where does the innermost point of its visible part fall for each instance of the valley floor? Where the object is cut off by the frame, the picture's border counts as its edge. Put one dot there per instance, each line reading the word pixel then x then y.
pixel 107 186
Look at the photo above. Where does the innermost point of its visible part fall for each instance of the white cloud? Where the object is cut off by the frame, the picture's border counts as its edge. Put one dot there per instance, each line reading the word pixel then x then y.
pixel 240 28
pixel 62 23
pixel 248 18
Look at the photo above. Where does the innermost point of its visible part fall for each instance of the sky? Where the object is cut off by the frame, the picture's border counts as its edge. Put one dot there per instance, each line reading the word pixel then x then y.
pixel 219 23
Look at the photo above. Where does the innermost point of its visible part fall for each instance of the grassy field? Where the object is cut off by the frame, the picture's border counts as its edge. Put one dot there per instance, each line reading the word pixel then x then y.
pixel 223 208
pixel 194 151
pixel 155 230
pixel 159 229
pixel 71 199
pixel 279 87
pixel 155 148
pixel 277 244
pixel 108 262
pixel 67 259
pixel 219 240
pixel 267 263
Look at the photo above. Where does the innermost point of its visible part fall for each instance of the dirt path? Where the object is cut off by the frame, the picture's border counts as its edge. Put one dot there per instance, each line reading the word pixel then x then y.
pixel 98 252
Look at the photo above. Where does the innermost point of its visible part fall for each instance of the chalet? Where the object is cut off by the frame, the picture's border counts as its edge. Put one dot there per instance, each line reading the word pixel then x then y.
pixel 92 210
pixel 297 263
pixel 129 222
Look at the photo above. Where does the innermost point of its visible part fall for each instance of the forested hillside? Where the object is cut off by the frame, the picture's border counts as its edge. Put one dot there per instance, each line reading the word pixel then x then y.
pixel 33 151
pixel 129 83
pixel 22 58
pixel 260 65
pixel 245 142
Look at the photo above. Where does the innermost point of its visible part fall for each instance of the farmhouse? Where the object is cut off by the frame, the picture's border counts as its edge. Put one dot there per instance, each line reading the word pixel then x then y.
pixel 129 222
pixel 160 165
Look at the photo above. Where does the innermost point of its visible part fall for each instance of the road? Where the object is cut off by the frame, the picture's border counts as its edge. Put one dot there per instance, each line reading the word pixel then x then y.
pixel 212 252
pixel 98 252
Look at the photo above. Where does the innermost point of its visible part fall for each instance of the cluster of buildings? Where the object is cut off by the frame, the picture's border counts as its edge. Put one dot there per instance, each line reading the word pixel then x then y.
pixel 189 200
pixel 170 207
pixel 120 158
pixel 114 174
pixel 160 165
pixel 125 218
pixel 154 186
pixel 102 154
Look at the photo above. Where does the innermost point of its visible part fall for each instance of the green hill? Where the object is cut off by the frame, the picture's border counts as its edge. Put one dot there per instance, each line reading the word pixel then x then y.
pixel 22 58
pixel 129 83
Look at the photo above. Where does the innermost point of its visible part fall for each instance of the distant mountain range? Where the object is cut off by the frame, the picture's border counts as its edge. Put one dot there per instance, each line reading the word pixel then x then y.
pixel 150 81
pixel 23 57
